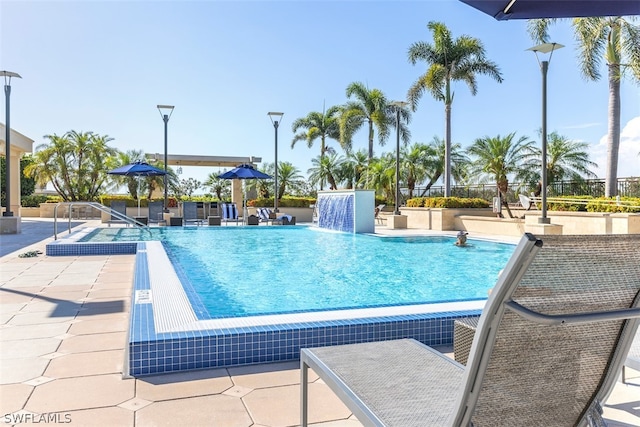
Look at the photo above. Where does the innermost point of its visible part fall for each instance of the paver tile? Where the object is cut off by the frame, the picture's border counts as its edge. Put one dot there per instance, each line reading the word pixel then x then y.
pixel 94 342
pixel 268 375
pixel 70 394
pixel 101 417
pixel 44 317
pixel 20 349
pixel 20 370
pixel 13 397
pixel 98 327
pixel 183 384
pixel 280 406
pixel 84 364
pixel 26 332
pixel 216 410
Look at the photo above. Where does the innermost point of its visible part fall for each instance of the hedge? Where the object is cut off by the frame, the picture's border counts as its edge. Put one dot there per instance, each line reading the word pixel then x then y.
pixel 447 202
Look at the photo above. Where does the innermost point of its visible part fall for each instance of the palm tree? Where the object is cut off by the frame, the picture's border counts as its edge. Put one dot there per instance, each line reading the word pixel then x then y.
pixel 448 60
pixel 381 175
pixel 566 160
pixel 354 168
pixel 217 185
pixel 500 158
pixel 288 176
pixel 132 182
pixel 318 126
pixel 436 152
pixel 371 107
pixel 325 168
pixel 414 162
pixel 76 164
pixel 616 40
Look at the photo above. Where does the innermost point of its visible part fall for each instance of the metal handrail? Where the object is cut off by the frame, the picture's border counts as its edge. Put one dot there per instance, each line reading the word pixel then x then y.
pixel 97 206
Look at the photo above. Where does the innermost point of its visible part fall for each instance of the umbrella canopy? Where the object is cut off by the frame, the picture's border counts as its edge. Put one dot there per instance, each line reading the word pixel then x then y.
pixel 504 10
pixel 244 171
pixel 137 169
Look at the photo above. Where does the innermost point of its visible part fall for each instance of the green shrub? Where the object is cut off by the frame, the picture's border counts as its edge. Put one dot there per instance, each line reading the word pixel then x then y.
pixel 610 205
pixel 447 202
pixel 285 202
pixel 568 206
pixel 133 203
pixel 34 200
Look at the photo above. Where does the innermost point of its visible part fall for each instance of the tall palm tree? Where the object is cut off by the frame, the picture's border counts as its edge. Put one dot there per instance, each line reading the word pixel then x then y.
pixel 617 41
pixel 414 163
pixel 448 60
pixel 369 106
pixel 566 160
pixel 501 157
pixel 325 168
pixel 318 125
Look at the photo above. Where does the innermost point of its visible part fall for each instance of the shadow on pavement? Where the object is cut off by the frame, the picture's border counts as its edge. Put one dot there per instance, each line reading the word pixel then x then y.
pixel 32 231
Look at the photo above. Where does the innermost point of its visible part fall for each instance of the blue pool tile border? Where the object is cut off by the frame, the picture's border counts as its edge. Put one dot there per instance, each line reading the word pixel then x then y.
pixel 151 352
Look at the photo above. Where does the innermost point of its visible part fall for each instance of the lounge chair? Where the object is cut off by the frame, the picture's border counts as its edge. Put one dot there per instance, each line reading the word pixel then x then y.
pixel 190 213
pixel 526 202
pixel 285 220
pixel 265 215
pixel 229 212
pixel 377 211
pixel 156 211
pixel 549 347
pixel 118 213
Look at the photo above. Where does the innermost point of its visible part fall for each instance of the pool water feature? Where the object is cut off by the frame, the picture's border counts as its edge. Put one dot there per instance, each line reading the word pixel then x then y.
pixel 351 211
pixel 169 332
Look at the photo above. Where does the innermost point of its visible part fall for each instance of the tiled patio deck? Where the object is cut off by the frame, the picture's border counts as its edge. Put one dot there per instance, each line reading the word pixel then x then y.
pixel 63 323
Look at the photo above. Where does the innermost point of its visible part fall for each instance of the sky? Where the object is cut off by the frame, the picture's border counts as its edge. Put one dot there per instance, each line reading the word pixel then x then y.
pixel 103 66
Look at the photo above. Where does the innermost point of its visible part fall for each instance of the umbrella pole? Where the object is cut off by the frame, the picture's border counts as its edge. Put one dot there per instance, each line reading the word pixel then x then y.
pixel 245 220
pixel 138 195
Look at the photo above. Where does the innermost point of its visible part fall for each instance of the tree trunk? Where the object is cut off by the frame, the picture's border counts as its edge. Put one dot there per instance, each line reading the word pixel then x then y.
pixel 613 136
pixel 447 151
pixel 370 140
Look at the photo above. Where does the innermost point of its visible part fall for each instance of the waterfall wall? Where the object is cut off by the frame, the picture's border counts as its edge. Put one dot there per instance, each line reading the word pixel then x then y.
pixel 351 211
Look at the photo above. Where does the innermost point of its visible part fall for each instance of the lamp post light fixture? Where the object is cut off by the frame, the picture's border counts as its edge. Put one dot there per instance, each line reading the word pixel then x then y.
pixel 7 140
pixel 544 67
pixel 276 118
pixel 399 105
pixel 165 112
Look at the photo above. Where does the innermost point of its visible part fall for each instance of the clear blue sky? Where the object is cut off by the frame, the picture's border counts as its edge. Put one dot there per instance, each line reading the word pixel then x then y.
pixel 103 66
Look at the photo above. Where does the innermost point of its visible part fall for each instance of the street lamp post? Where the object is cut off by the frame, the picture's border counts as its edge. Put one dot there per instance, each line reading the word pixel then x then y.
pixel 276 118
pixel 165 112
pixel 544 67
pixel 7 140
pixel 399 106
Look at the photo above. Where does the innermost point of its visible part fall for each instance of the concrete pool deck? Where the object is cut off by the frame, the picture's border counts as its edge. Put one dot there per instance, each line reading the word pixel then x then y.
pixel 63 326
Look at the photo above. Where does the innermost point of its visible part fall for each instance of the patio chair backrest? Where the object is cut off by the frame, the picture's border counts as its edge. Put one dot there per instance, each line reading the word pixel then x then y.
pixel 155 211
pixel 526 373
pixel 119 206
pixel 189 210
pixel 263 213
pixel 229 211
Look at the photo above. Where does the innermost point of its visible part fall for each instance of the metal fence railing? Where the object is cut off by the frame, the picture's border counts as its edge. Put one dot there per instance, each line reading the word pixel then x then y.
pixel 627 187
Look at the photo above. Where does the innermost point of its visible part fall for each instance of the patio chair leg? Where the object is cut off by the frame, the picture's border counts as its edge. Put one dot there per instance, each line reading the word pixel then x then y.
pixel 304 394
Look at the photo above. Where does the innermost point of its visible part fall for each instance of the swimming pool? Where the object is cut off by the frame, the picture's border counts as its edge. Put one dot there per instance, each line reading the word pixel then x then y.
pixel 284 270
pixel 170 331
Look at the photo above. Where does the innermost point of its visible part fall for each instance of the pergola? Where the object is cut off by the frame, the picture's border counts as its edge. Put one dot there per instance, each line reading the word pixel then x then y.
pixel 20 144
pixel 213 161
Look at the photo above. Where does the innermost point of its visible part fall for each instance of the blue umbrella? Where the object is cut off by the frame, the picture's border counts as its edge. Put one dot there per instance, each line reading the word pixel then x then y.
pixel 503 10
pixel 244 171
pixel 137 169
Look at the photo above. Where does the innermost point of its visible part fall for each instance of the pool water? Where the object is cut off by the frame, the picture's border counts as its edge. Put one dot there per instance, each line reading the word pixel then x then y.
pixel 242 271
